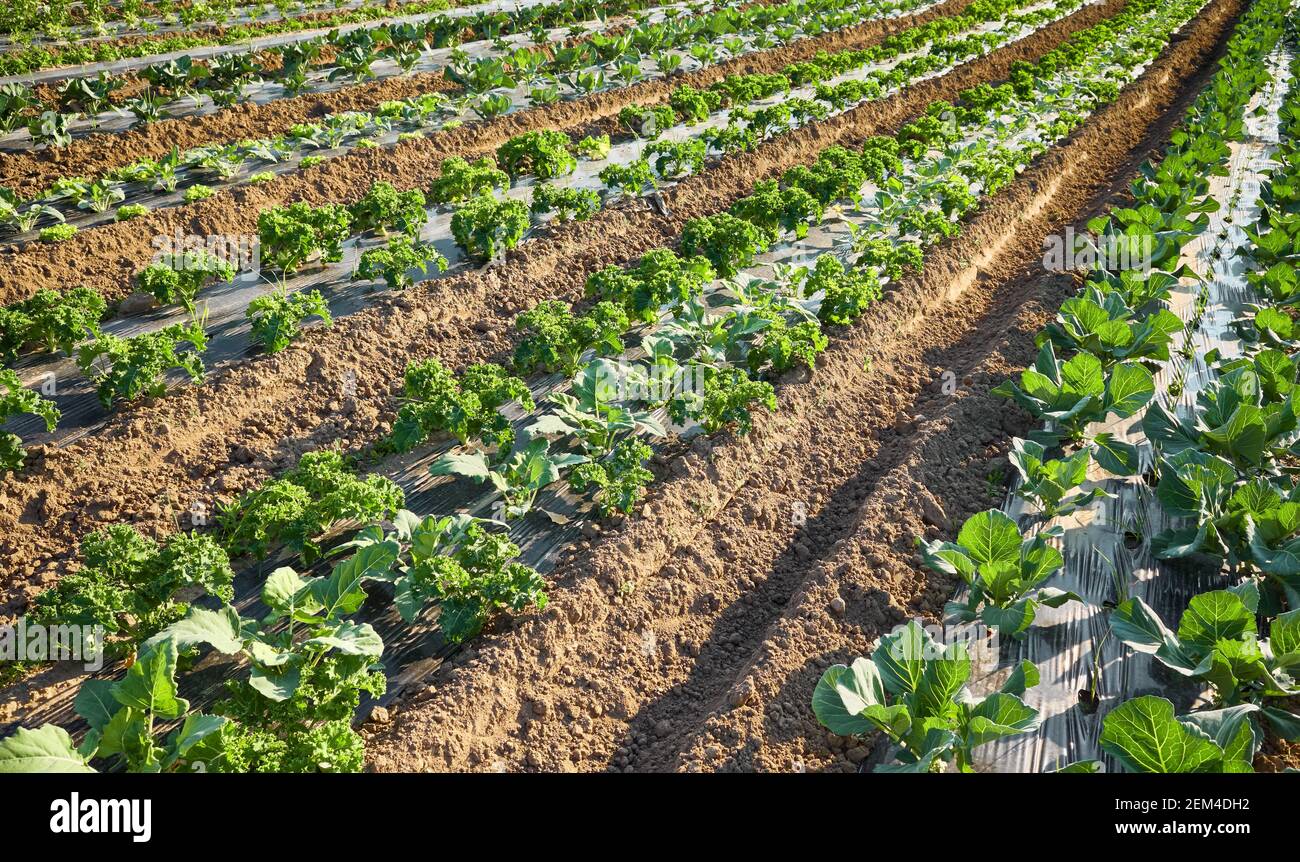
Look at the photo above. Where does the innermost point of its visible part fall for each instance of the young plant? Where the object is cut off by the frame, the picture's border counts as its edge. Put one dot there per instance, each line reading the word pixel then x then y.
pixel 126 212
pixel 16 400
pixel 277 317
pixel 51 129
pixel 545 95
pixel 631 180
pixel 616 481
pixel 222 162
pixel 645 122
pixel 384 208
pixel 468 406
pixel 470 572
pixel 486 227
pixel 727 242
pixel 844 296
pixel 148 107
pixel 54 320
pixel 1048 482
pixel 676 159
pixel 197 192
pixel 181 278
pixel 14 100
pixel 57 233
pixel 1004 571
pixel 124 369
pixel 660 278
pixel 593 147
pixel 123 716
pixel 776 211
pixel 308 664
pixel 544 154
pixel 393 263
pixel 1079 391
pixel 595 411
pixel 913 690
pixel 1218 643
pixel 493 105
pixel 288 236
pixel 1101 324
pixel 778 345
pixel 518 478
pixel 165 174
pixel 461 180
pixel 22 220
pixel 101 196
pixel 1144 735
pixel 566 203
pixel 1245 414
pixel 837 174
pixel 131 586
pixel 891 258
pixel 726 400
pixel 303 504
pixel 692 105
pixel 556 338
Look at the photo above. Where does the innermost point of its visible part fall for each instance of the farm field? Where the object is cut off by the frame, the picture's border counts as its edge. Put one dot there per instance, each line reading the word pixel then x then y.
pixel 559 386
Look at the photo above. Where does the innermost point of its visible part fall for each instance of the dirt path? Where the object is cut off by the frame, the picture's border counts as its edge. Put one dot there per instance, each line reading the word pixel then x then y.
pixel 150 464
pixel 692 639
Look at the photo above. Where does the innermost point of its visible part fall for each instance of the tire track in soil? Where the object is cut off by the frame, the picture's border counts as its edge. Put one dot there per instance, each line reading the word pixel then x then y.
pixel 107 257
pixel 740 603
pixel 253 419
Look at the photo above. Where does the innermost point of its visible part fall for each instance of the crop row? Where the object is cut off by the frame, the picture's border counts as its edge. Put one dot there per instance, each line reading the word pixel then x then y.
pixel 1224 471
pixel 1118 326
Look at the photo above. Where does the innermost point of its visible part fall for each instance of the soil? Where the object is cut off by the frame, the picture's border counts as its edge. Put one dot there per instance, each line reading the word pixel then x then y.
pixel 253 418
pixel 691 638
pixel 107 257
pixel 1277 755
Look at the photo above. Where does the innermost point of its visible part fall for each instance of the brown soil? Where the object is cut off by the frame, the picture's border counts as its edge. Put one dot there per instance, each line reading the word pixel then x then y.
pixel 692 638
pixel 147 465
pixel 1277 755
pixel 107 257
